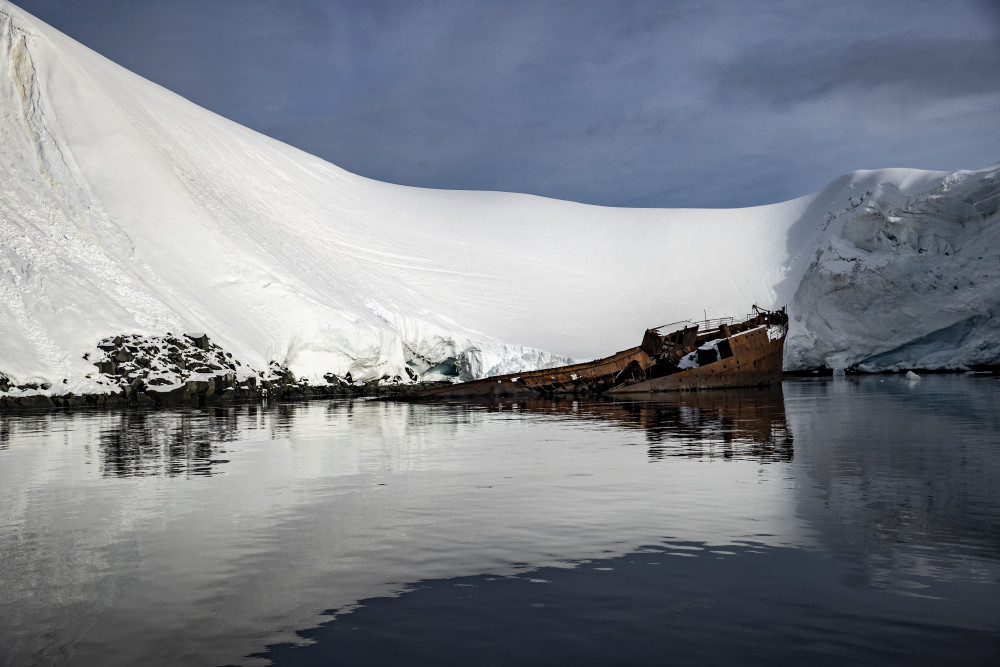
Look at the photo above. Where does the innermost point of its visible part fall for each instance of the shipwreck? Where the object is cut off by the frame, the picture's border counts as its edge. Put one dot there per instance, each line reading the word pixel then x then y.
pixel 683 356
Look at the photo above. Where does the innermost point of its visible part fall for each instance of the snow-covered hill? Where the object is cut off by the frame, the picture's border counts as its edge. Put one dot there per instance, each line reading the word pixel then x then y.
pixel 127 209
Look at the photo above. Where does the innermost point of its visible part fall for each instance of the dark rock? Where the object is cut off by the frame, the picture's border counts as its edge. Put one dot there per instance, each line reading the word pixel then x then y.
pixel 197 386
pixel 107 367
pixel 199 340
pixel 37 402
pixel 171 397
pixel 284 376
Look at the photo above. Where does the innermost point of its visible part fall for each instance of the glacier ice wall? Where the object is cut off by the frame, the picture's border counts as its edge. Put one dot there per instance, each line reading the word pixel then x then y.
pixel 903 278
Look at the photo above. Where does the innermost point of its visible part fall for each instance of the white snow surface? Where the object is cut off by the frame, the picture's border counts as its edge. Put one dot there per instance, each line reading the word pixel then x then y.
pixel 127 209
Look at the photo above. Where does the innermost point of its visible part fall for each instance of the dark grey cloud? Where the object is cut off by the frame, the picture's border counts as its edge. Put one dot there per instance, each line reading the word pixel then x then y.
pixel 621 102
pixel 910 67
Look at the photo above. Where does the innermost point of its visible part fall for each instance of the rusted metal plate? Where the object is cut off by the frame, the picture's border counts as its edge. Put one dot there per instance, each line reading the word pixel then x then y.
pixel 756 362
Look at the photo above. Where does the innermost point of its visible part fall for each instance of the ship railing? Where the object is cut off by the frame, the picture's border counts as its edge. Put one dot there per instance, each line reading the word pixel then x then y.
pixel 711 325
pixel 703 325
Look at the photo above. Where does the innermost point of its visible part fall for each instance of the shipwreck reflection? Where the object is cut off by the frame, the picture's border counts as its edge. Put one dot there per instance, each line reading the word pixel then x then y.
pixel 730 424
pixel 727 424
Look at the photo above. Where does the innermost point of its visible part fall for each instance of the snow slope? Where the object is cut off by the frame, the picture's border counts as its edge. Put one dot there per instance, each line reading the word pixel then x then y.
pixel 126 209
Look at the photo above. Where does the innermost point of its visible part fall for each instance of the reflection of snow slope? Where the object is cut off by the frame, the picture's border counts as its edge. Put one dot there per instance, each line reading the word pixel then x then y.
pixel 126 209
pixel 313 507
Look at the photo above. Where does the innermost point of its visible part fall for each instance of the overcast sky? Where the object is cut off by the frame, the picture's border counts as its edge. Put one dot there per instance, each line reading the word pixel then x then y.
pixel 636 103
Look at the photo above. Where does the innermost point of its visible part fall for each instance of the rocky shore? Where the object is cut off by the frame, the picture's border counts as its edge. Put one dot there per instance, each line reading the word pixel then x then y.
pixel 133 371
pixel 187 370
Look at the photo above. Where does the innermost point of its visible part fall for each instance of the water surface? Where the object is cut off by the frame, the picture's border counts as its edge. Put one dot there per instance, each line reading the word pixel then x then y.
pixel 840 521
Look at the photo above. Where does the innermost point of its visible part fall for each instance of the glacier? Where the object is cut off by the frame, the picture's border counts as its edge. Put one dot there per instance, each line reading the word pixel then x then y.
pixel 127 209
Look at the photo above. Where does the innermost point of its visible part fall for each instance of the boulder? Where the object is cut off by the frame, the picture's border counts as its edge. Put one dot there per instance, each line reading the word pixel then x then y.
pixel 108 367
pixel 37 402
pixel 174 396
pixel 199 340
pixel 198 386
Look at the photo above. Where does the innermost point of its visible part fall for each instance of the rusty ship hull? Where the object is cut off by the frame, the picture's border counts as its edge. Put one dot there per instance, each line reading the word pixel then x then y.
pixel 713 354
pixel 756 361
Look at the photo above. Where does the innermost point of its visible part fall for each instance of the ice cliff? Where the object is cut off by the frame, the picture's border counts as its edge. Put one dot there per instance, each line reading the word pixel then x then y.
pixel 127 209
pixel 903 271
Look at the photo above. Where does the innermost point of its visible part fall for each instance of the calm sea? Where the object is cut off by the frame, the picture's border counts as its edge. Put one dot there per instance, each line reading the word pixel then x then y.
pixel 836 521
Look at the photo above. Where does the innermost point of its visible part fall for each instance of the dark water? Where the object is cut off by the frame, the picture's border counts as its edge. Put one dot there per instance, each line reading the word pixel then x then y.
pixel 838 521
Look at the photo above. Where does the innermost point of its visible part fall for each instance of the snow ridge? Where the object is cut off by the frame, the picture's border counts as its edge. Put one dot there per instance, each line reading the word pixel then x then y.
pixel 128 210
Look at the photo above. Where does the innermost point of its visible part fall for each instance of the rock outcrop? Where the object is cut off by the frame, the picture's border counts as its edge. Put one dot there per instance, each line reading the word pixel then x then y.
pixel 188 370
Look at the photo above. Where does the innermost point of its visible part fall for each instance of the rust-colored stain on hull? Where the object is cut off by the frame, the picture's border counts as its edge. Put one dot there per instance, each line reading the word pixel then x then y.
pixel 729 354
pixel 756 362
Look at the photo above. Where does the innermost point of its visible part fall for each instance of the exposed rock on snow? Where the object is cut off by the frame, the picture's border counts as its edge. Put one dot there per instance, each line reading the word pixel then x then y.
pixel 126 208
pixel 168 369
